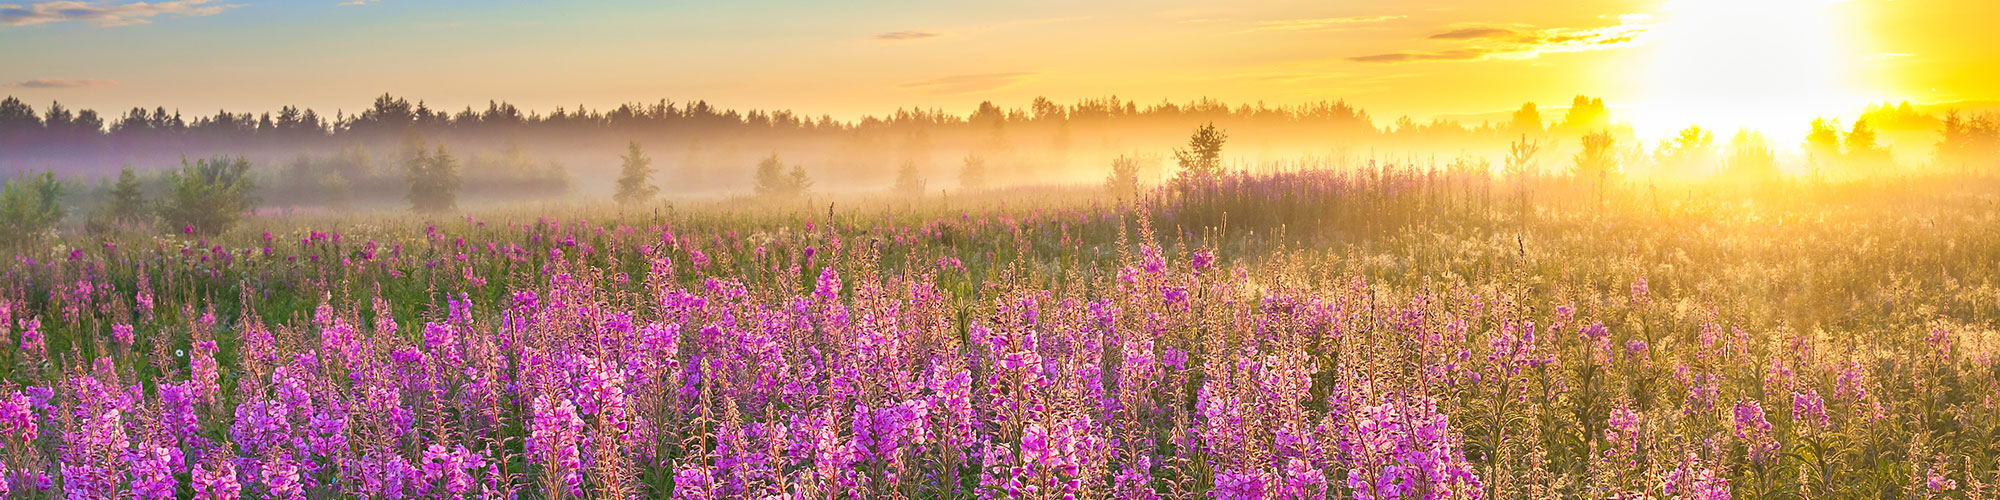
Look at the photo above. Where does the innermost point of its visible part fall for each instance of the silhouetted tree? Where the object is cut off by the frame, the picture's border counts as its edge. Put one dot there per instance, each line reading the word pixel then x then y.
pixel 1863 154
pixel 1688 152
pixel 1597 162
pixel 1969 142
pixel 909 182
pixel 1201 162
pixel 635 178
pixel 30 205
pixel 1750 158
pixel 774 182
pixel 1124 179
pixel 972 175
pixel 1526 121
pixel 1521 165
pixel 208 196
pixel 1823 143
pixel 1586 114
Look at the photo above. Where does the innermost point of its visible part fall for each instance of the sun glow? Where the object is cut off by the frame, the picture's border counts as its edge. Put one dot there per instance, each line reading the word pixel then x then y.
pixel 1767 65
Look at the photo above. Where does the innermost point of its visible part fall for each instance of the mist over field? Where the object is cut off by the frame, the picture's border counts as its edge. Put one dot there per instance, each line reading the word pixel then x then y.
pixel 1444 249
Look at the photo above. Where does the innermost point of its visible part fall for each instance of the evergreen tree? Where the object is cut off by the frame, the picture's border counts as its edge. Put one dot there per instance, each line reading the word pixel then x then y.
pixel 434 180
pixel 1201 162
pixel 127 201
pixel 635 178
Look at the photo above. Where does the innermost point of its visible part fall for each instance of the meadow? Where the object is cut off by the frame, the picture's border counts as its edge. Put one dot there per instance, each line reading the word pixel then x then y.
pixel 1373 333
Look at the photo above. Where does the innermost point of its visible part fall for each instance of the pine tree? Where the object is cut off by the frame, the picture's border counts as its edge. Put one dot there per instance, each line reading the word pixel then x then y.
pixel 635 179
pixel 1201 162
pixel 127 202
pixel 433 178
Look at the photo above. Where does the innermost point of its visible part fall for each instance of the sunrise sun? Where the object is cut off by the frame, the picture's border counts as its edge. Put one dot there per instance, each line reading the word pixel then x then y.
pixel 1769 65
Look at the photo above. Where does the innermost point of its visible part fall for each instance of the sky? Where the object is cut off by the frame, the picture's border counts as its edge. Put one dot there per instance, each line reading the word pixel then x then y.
pixel 1658 63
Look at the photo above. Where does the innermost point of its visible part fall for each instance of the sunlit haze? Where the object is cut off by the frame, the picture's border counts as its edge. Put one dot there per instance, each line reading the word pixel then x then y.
pixel 1763 63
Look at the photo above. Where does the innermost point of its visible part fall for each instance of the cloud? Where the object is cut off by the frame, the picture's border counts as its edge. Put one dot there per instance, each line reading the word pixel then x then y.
pixel 61 83
pixel 908 35
pixel 1322 23
pixel 105 14
pixel 961 84
pixel 1478 43
pixel 358 2
pixel 1448 55
pixel 1473 33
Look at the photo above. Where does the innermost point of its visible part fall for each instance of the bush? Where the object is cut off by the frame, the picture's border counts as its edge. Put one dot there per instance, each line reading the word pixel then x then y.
pixel 208 196
pixel 29 208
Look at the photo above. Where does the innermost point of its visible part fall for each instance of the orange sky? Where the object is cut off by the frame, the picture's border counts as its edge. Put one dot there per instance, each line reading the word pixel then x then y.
pixel 1657 63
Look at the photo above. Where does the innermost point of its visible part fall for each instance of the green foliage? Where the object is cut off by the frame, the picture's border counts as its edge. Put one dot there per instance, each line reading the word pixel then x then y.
pixel 128 203
pixel 433 178
pixel 635 177
pixel 30 205
pixel 208 196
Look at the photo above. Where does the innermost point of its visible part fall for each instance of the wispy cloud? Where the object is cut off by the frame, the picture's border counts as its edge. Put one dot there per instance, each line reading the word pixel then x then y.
pixel 1322 23
pixel 61 83
pixel 908 35
pixel 962 84
pixel 1446 55
pixel 1474 33
pixel 1478 43
pixel 358 2
pixel 105 13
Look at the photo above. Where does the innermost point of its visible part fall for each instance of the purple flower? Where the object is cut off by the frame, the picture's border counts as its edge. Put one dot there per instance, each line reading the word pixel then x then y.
pixel 1755 431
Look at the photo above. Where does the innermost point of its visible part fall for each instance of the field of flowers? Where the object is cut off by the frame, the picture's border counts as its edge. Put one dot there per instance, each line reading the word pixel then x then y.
pixel 1372 335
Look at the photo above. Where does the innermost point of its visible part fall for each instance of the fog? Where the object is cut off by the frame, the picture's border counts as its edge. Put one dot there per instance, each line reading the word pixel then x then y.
pixel 306 161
